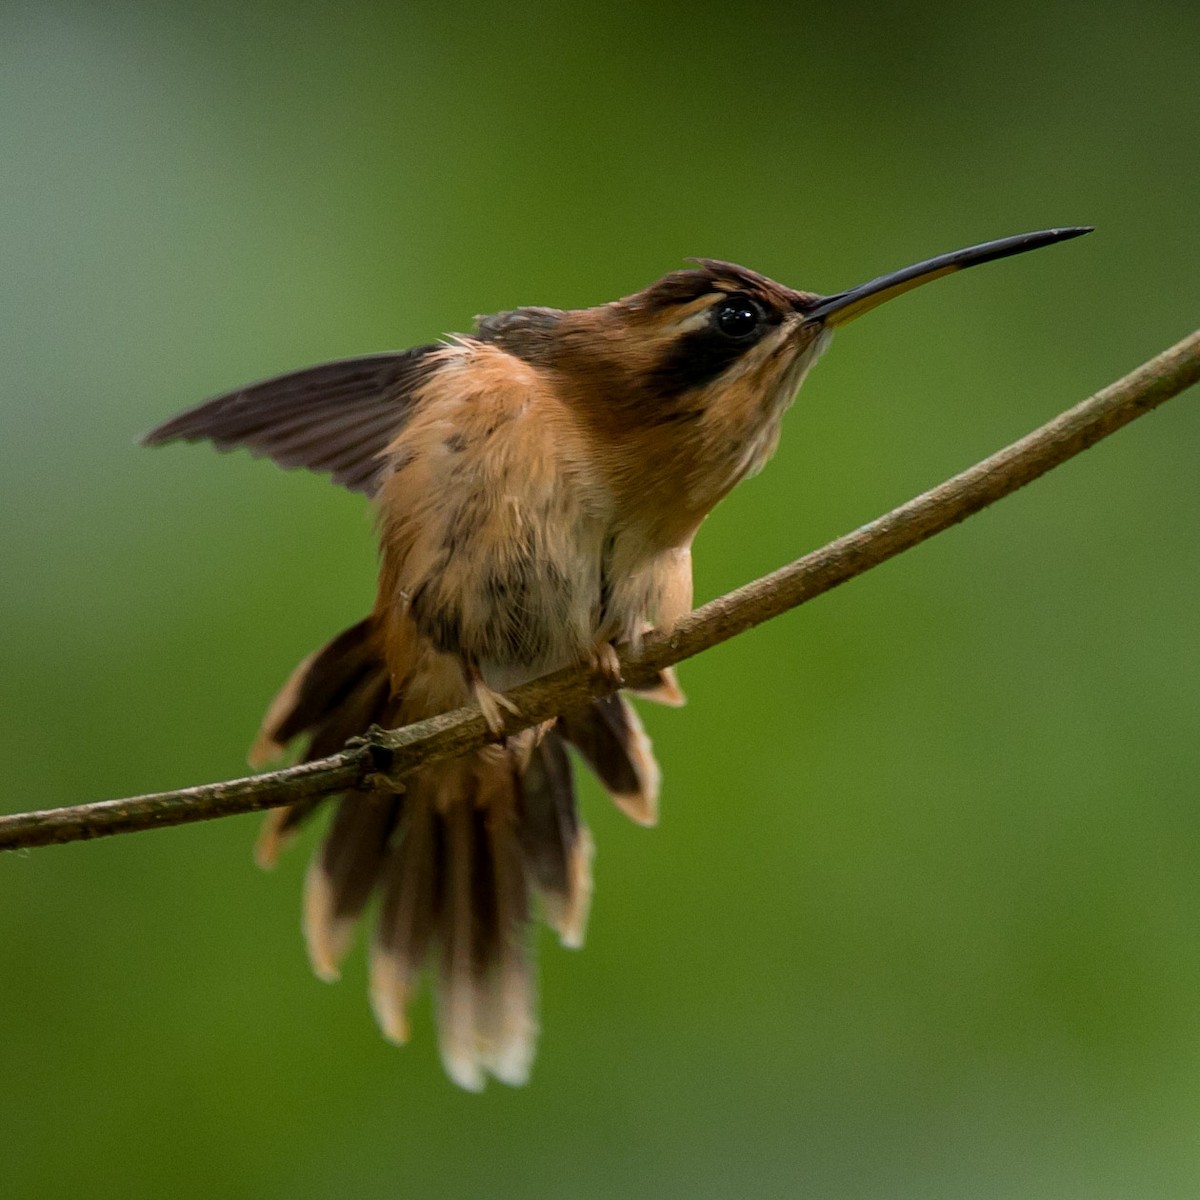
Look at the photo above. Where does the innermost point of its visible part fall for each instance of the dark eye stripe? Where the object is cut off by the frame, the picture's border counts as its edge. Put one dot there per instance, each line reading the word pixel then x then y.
pixel 699 356
pixel 694 359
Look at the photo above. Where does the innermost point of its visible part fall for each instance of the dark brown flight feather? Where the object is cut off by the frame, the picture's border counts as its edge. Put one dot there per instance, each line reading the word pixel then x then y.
pixel 337 417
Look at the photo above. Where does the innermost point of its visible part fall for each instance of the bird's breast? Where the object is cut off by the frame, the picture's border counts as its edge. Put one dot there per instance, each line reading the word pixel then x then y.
pixel 492 526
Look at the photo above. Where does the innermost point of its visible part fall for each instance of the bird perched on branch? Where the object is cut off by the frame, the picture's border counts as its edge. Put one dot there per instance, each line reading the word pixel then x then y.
pixel 537 487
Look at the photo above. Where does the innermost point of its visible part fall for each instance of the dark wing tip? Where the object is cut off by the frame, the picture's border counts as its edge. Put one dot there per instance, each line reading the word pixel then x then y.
pixel 187 426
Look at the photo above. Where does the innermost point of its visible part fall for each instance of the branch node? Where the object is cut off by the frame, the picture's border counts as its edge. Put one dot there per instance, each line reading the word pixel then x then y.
pixel 379 757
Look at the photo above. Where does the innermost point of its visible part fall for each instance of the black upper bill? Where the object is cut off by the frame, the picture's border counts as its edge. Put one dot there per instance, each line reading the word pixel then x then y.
pixel 845 306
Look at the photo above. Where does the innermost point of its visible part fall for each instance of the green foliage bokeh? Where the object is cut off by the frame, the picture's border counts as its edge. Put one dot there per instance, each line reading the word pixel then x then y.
pixel 922 916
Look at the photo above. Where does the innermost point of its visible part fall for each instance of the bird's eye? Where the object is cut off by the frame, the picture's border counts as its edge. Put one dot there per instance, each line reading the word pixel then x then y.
pixel 738 317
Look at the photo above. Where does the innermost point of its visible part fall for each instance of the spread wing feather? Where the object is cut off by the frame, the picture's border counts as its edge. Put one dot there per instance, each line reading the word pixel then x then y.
pixel 337 417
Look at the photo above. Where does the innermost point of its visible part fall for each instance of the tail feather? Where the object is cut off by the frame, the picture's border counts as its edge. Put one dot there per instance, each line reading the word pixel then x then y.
pixel 505 994
pixel 485 994
pixel 456 857
pixel 412 885
pixel 456 993
pixel 280 826
pixel 332 696
pixel 665 690
pixel 609 735
pixel 342 875
pixel 556 845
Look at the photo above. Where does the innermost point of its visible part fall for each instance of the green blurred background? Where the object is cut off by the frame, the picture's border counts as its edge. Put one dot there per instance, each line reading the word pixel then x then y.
pixel 922 917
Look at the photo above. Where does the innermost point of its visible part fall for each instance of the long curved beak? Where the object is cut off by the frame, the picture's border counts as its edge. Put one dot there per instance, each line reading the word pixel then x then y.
pixel 845 306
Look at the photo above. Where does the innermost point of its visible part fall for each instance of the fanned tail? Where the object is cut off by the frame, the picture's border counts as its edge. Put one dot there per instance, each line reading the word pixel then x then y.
pixel 456 857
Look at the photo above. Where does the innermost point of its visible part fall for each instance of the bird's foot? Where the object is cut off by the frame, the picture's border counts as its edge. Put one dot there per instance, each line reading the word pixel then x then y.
pixel 490 703
pixel 606 663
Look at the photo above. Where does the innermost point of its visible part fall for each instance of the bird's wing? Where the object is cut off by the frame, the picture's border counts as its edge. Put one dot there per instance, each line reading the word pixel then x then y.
pixel 337 417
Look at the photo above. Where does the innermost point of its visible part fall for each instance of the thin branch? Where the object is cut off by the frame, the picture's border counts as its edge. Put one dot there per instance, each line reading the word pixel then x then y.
pixel 394 753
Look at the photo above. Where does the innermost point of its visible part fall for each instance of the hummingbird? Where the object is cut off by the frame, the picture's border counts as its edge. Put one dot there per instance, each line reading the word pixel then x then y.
pixel 537 486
